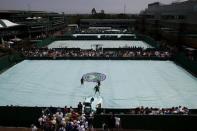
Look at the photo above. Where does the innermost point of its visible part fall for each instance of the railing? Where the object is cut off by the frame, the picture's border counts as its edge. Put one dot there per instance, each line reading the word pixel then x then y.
pixel 97 58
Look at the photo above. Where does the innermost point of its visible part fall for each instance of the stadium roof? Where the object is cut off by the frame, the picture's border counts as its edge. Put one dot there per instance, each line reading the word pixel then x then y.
pixel 6 23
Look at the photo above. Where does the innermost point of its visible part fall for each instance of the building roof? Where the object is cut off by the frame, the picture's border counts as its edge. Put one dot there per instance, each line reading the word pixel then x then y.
pixel 107 20
pixel 6 23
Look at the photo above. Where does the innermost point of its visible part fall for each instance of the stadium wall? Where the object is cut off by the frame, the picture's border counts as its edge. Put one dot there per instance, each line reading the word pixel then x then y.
pixel 151 122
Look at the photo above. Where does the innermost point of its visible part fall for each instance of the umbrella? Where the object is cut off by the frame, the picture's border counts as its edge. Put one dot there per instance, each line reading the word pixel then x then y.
pixel 10 42
pixel 16 39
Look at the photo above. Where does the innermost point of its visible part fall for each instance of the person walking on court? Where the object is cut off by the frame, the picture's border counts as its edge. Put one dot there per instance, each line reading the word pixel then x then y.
pixel 82 81
pixel 98 83
pixel 97 89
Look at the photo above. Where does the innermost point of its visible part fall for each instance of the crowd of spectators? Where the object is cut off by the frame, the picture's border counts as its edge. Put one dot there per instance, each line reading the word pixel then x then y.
pixel 67 119
pixel 180 110
pixel 163 111
pixel 106 53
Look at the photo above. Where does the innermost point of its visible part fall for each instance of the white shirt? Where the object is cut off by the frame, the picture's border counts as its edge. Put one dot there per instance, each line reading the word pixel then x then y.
pixel 117 121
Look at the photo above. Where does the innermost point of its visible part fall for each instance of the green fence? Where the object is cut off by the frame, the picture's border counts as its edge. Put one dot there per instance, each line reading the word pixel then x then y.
pixel 148 40
pixel 45 42
pixel 9 60
pixel 183 60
